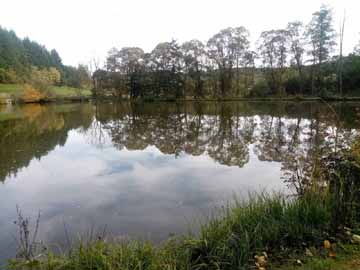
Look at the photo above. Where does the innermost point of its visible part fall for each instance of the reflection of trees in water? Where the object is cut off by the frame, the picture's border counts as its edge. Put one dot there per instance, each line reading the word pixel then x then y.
pixel 297 135
pixel 320 136
pixel 38 131
pixel 176 129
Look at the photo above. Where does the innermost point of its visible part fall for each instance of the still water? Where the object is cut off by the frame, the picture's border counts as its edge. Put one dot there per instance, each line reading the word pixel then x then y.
pixel 149 170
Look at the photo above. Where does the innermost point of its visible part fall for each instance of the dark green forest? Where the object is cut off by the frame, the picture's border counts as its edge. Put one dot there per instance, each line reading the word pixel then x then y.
pixel 19 57
pixel 300 59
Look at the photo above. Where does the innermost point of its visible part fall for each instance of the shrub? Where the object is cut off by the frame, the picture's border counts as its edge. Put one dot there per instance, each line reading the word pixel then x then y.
pixel 42 79
pixel 30 94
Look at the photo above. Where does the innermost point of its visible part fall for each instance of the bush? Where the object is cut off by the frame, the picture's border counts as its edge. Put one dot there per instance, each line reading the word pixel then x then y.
pixel 30 94
pixel 260 89
pixel 42 79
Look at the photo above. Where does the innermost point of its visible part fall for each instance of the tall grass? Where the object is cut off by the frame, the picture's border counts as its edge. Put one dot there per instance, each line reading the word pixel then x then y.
pixel 265 223
pixel 271 223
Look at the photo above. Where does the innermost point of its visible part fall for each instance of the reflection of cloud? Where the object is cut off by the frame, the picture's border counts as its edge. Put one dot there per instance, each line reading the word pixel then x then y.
pixel 143 193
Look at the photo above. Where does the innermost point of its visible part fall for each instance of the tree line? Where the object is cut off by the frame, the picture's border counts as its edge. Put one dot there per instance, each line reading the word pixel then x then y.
pixel 20 59
pixel 295 60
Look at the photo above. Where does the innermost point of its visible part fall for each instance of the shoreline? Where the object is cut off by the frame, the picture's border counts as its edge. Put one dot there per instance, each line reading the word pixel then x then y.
pixel 114 99
pixel 12 101
pixel 250 99
pixel 266 231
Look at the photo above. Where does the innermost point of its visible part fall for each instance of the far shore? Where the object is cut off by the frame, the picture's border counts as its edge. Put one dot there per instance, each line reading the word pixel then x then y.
pixel 11 94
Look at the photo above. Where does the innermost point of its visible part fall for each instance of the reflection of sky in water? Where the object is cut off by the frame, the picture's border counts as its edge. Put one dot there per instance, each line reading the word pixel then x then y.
pixel 145 194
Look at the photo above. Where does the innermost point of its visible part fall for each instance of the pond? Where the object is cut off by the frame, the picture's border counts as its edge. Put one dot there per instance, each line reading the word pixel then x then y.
pixel 148 170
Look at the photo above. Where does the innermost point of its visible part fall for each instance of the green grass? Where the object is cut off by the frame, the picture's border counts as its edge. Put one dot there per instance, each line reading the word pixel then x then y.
pixel 59 91
pixel 10 88
pixel 65 91
pixel 229 240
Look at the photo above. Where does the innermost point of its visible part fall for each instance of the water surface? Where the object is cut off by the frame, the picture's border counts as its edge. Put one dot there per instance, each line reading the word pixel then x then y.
pixel 147 170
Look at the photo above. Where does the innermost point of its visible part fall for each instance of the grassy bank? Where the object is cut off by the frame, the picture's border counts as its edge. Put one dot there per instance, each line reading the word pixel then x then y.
pixel 266 230
pixel 13 93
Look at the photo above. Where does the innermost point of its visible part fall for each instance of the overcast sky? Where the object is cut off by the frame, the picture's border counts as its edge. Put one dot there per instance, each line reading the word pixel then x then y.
pixel 82 29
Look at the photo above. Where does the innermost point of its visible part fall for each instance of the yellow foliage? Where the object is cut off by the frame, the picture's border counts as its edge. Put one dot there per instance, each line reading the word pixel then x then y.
pixel 327 244
pixel 56 122
pixel 30 94
pixel 260 262
pixel 43 118
pixel 42 79
pixel 33 111
pixel 54 75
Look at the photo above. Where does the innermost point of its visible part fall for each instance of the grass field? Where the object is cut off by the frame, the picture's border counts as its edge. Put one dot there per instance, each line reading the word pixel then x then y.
pixel 10 89
pixel 60 91
pixel 65 91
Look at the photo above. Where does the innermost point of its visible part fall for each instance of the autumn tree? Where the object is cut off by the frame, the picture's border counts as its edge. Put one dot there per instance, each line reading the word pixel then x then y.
pixel 19 57
pixel 42 79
